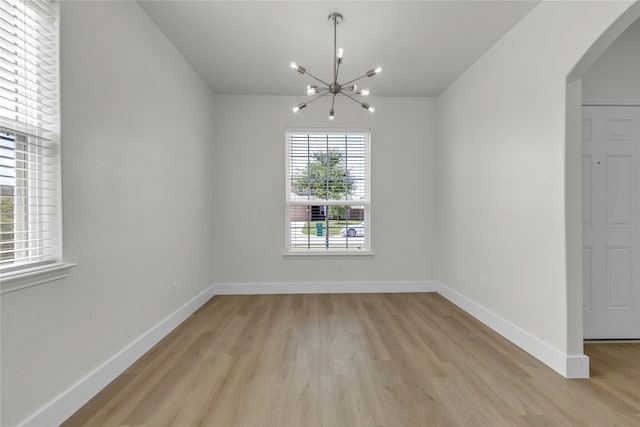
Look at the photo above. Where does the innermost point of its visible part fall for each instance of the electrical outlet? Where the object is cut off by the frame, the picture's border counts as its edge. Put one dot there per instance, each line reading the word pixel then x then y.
pixel 483 284
pixel 339 266
pixel 174 289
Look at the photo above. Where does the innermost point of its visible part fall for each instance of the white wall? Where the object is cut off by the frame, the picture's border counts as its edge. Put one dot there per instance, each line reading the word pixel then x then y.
pixel 137 174
pixel 501 170
pixel 616 74
pixel 250 226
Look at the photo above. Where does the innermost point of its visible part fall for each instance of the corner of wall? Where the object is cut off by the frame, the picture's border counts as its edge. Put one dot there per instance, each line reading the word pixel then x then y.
pixel 567 366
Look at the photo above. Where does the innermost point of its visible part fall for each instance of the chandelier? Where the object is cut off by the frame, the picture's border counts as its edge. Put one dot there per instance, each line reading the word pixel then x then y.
pixel 348 89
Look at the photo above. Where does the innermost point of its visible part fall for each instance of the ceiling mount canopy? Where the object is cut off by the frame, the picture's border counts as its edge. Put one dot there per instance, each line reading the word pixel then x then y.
pixel 348 89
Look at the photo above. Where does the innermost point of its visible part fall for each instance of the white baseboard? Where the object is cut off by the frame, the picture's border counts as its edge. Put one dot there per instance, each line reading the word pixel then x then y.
pixel 246 288
pixel 568 366
pixel 63 406
pixel 631 102
pixel 577 366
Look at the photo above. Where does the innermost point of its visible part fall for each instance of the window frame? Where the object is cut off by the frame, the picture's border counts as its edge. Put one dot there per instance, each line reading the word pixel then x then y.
pixel 38 122
pixel 366 203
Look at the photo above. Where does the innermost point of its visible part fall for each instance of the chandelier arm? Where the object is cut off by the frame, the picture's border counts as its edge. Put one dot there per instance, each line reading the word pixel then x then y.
pixel 336 64
pixel 333 101
pixel 354 80
pixel 352 98
pixel 317 97
pixel 321 81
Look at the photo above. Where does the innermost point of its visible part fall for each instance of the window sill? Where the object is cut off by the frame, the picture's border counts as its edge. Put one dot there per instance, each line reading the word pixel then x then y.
pixel 326 253
pixel 27 277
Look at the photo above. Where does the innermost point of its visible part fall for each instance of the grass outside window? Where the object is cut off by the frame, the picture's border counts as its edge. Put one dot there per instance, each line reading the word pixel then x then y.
pixel 334 226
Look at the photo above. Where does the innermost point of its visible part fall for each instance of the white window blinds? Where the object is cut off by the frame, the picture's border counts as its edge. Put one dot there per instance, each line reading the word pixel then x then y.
pixel 29 133
pixel 327 193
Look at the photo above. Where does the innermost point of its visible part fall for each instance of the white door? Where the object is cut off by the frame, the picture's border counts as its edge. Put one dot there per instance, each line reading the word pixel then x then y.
pixel 611 217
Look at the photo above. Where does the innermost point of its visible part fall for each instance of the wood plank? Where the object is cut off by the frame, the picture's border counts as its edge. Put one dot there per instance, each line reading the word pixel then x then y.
pixel 356 360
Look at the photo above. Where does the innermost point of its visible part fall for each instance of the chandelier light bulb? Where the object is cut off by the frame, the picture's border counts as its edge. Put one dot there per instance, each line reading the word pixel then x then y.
pixel 299 107
pixel 331 115
pixel 298 68
pixel 371 109
pixel 340 53
pixel 378 69
pixel 312 90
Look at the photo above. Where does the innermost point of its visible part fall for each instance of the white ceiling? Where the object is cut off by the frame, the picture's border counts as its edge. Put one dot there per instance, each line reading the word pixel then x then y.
pixel 243 47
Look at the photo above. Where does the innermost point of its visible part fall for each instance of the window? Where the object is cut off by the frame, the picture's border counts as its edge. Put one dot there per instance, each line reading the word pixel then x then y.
pixel 327 193
pixel 29 142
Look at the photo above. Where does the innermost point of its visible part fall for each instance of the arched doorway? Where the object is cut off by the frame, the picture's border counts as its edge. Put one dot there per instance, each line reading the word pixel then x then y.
pixel 573 181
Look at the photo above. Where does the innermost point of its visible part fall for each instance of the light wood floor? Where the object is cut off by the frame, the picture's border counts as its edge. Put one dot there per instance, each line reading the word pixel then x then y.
pixel 357 360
